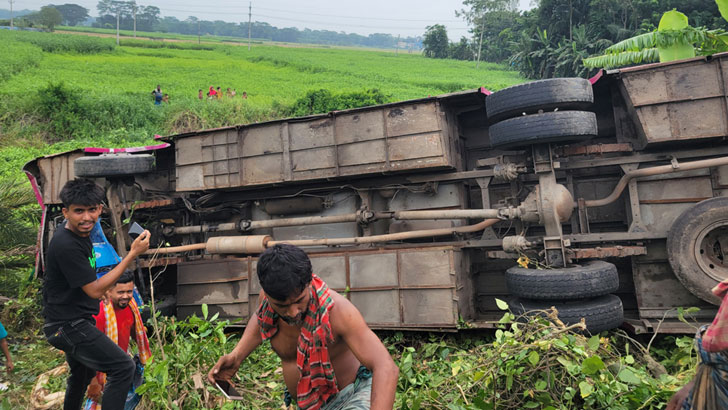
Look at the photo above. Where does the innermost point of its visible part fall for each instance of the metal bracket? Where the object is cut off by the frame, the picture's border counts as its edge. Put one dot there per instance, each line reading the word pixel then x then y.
pixel 634 201
pixel 483 183
pixel 116 209
pixel 553 242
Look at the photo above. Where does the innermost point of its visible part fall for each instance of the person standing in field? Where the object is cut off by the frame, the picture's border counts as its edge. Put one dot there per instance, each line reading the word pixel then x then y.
pixel 218 93
pixel 157 95
pixel 119 318
pixel 234 93
pixel 211 94
pixel 199 94
pixel 330 357
pixel 229 93
pixel 245 95
pixel 71 295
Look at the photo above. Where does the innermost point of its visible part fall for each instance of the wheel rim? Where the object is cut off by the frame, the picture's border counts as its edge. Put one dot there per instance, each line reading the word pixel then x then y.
pixel 711 250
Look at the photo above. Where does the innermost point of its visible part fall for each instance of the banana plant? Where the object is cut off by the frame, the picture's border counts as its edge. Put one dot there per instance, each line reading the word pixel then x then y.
pixel 673 40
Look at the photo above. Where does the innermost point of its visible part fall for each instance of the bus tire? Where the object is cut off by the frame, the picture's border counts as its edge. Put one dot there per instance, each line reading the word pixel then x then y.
pixel 544 95
pixel 113 165
pixel 590 279
pixel 696 247
pixel 558 126
pixel 601 313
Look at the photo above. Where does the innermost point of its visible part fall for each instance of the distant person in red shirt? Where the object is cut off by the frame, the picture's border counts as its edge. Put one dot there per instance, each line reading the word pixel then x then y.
pixel 212 93
pixel 119 318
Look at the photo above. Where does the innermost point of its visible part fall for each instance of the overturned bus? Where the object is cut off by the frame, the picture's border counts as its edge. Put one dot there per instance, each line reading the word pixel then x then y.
pixel 611 193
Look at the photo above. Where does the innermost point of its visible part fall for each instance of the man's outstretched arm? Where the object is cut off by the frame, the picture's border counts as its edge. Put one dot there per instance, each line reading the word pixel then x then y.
pixel 370 351
pixel 228 365
pixel 97 288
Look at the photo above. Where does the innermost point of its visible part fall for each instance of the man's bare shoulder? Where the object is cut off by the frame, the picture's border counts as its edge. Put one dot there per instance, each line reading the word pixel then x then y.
pixel 344 314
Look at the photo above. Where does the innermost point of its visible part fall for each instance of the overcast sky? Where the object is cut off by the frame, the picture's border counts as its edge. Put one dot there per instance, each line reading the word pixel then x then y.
pixel 396 17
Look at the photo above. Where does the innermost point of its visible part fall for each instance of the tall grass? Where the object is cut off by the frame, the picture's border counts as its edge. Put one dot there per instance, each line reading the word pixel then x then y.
pixel 16 57
pixel 61 43
pixel 165 44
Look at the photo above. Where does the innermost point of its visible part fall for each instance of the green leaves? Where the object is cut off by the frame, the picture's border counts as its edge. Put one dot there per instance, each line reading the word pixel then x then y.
pixel 502 305
pixel 723 8
pixel 673 40
pixel 627 376
pixel 592 365
pixel 679 48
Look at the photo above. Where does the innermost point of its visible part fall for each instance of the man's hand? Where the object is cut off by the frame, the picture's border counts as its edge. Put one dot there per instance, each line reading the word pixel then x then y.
pixel 94 390
pixel 140 244
pixel 678 398
pixel 224 369
pixel 9 366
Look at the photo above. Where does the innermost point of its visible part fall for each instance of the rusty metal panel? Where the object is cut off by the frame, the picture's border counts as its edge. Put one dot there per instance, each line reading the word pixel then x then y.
pixel 618 251
pixel 428 268
pixel 313 160
pixel 345 203
pixel 378 307
pixel 261 140
pixel 254 282
pixel 656 287
pixel 332 269
pixel 416 146
pixel 676 188
pixel 221 283
pixel 446 196
pixel 429 307
pixel 350 154
pixel 404 137
pixel 379 269
pixel 311 134
pixel 721 176
pixel 667 199
pixel 54 173
pixel 220 158
pixel 412 119
pixel 262 170
pixel 358 127
pixel 667 100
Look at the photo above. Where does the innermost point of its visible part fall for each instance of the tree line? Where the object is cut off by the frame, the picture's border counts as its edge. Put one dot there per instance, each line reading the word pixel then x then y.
pixel 132 15
pixel 553 38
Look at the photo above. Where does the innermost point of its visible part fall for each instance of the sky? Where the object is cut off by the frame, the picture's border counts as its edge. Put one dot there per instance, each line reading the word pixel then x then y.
pixel 396 17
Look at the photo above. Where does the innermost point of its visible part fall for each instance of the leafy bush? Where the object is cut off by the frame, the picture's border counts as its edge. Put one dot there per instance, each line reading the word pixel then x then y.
pixel 165 44
pixel 69 113
pixel 16 56
pixel 22 313
pixel 322 101
pixel 184 351
pixel 67 43
pixel 538 364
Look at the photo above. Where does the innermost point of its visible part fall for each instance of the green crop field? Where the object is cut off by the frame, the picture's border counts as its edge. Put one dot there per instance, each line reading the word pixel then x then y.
pixel 61 91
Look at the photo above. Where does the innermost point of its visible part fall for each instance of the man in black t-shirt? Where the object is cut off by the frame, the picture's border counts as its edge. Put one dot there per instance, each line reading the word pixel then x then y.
pixel 71 295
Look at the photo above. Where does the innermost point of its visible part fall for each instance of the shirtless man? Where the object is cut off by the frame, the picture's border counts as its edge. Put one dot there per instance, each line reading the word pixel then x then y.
pixel 351 370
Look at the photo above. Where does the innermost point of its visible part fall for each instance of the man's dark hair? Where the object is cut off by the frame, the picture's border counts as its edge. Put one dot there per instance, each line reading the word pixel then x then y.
pixel 126 277
pixel 83 192
pixel 284 271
